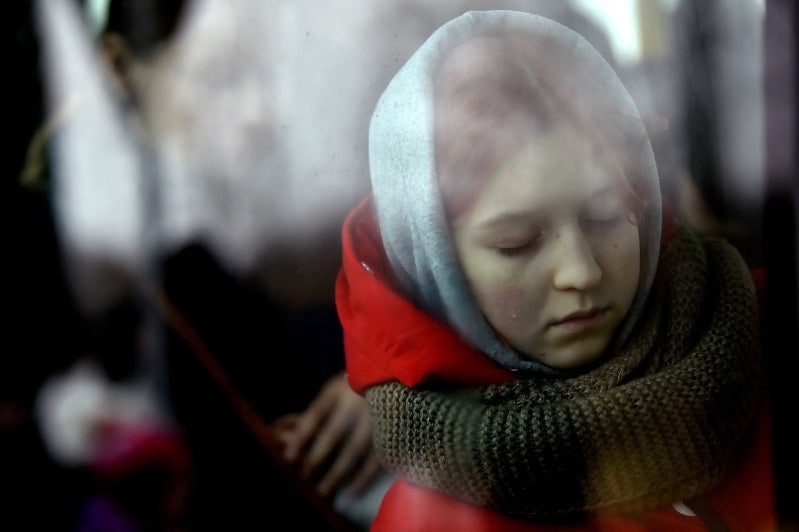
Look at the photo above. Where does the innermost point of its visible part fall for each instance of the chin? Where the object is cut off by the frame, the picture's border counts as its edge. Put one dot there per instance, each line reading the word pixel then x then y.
pixel 572 357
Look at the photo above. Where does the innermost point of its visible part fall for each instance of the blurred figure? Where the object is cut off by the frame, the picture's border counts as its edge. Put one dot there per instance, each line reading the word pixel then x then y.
pixel 114 262
pixel 703 100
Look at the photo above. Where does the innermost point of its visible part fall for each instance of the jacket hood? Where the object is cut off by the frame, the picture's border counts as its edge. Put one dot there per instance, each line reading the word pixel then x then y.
pixel 411 217
pixel 386 336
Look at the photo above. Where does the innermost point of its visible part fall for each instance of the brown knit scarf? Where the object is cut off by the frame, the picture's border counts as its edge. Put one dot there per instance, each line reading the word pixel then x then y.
pixel 654 424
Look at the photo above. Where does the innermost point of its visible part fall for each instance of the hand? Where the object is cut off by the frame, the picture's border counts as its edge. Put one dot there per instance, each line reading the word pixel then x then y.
pixel 331 440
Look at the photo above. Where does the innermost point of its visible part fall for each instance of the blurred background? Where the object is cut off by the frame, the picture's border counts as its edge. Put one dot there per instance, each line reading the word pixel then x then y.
pixel 172 208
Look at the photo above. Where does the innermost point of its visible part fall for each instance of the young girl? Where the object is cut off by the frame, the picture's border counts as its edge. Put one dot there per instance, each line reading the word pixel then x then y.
pixel 537 341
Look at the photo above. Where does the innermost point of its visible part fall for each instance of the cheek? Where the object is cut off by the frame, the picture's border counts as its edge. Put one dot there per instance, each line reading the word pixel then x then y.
pixel 502 291
pixel 495 286
pixel 622 263
pixel 502 302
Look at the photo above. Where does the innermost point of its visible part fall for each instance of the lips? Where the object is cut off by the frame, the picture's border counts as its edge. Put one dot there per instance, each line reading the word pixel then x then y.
pixel 581 320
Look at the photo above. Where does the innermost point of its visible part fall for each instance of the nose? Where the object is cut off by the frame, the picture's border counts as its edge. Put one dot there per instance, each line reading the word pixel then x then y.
pixel 574 264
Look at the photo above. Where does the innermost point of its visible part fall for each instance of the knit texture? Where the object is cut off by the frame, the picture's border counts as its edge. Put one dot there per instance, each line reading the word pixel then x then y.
pixel 653 424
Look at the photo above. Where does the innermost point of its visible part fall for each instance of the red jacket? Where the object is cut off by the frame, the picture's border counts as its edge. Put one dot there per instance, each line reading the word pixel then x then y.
pixel 387 338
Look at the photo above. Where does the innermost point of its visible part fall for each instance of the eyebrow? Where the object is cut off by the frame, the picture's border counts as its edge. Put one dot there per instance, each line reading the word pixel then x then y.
pixel 610 188
pixel 530 216
pixel 506 218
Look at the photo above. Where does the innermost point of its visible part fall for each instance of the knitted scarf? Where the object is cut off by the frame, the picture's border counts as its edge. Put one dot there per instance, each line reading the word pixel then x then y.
pixel 653 424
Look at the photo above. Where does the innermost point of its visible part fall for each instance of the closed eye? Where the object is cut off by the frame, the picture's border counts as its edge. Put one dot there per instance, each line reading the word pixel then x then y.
pixel 517 250
pixel 605 221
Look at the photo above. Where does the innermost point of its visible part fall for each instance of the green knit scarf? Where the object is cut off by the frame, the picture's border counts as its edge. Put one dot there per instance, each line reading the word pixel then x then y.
pixel 654 424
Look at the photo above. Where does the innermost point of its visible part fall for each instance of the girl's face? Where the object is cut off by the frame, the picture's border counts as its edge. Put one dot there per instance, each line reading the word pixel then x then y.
pixel 551 250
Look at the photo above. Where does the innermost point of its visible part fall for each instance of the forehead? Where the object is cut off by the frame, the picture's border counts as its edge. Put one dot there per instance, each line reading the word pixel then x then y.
pixel 472 58
pixel 494 92
pixel 553 170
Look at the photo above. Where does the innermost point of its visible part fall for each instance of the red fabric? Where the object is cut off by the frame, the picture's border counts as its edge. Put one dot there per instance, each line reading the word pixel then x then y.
pixel 407 507
pixel 387 338
pixel 129 447
pixel 745 501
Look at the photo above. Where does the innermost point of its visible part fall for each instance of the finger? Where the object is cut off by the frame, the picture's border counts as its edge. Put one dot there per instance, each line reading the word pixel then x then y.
pixel 303 428
pixel 368 472
pixel 285 423
pixel 311 418
pixel 326 441
pixel 284 430
pixel 344 409
pixel 348 460
pixel 308 422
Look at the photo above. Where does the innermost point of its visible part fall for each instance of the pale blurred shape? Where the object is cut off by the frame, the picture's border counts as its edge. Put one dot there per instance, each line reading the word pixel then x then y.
pixel 97 184
pixel 73 408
